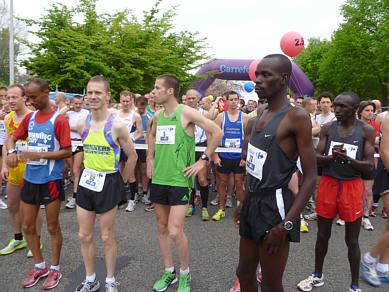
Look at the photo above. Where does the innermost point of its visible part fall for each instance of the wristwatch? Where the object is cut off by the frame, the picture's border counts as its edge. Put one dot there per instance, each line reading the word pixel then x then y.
pixel 288 225
pixel 204 157
pixel 348 160
pixel 10 151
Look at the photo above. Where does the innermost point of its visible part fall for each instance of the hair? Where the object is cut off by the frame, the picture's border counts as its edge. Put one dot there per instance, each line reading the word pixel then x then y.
pixel 171 81
pixel 255 103
pixel 193 89
pixel 354 97
pixel 100 79
pixel 141 100
pixel 325 94
pixel 127 93
pixel 241 101
pixel 3 88
pixel 306 101
pixel 62 95
pixel 78 97
pixel 41 83
pixel 21 87
pixel 364 104
pixel 228 93
pixel 285 64
pixel 300 97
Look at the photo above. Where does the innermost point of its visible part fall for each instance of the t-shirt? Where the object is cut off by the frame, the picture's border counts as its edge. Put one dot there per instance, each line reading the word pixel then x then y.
pixel 61 128
pixel 321 120
pixel 376 127
pixel 74 117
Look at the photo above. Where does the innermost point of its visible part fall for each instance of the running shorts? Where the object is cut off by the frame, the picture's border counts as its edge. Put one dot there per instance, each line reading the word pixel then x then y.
pixel 15 175
pixel 170 195
pixel 42 194
pixel 346 197
pixel 230 165
pixel 123 156
pixel 381 179
pixel 141 155
pixel 199 153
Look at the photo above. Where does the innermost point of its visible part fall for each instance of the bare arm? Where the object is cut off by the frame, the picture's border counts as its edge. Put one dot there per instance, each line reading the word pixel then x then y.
pixel 384 148
pixel 139 126
pixel 214 111
pixel 151 145
pixel 315 128
pixel 323 160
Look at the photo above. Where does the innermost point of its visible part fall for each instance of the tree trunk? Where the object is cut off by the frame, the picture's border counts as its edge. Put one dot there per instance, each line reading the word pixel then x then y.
pixel 384 88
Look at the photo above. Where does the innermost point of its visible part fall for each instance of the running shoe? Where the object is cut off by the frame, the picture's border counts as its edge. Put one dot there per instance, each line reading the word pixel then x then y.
pixel 229 201
pixel 3 205
pixel 340 222
pixel 184 284
pixel 71 204
pixel 373 211
pixel 219 215
pixel 383 213
pixel 311 217
pixel 131 206
pixel 366 224
pixel 146 200
pixel 13 245
pixel 29 253
pixel 236 287
pixel 198 200
pixel 150 208
pixel 86 286
pixel 310 282
pixel 215 201
pixel 369 272
pixel 52 279
pixel 303 226
pixel 191 211
pixel 166 280
pixel 34 276
pixel 384 277
pixel 354 289
pixel 111 287
pixel 204 214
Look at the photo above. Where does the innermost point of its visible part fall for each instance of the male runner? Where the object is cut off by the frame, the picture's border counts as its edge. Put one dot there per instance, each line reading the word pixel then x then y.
pixel 49 143
pixel 60 100
pixel 345 151
pixel 4 110
pixel 101 187
pixel 269 215
pixel 75 161
pixel 170 164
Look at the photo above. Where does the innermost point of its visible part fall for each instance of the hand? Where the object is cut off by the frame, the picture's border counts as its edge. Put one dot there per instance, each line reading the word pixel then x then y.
pixel 216 160
pixel 12 160
pixel 339 155
pixel 275 239
pixel 242 163
pixel 237 215
pixel 149 168
pixel 24 156
pixel 195 168
pixel 4 173
pixel 218 99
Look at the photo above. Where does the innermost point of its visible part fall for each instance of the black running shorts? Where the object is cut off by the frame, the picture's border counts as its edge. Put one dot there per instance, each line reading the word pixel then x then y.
pixel 230 165
pixel 141 155
pixel 123 156
pixel 170 195
pixel 381 179
pixel 42 194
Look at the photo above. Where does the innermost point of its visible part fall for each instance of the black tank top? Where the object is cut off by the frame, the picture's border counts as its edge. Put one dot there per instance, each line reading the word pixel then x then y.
pixel 354 145
pixel 277 167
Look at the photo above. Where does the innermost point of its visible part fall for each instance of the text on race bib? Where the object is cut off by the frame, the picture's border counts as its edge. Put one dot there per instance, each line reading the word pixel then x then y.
pixel 92 180
pixel 256 159
pixel 166 135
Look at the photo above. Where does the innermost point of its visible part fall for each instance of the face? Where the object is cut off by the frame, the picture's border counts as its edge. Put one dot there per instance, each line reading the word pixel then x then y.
pixel 141 108
pixel 15 99
pixel 152 100
pixel 38 98
pixel 30 106
pixel 192 98
pixel 158 106
pixel 325 104
pixel 314 105
pixel 58 99
pixel 233 101
pixel 126 102
pixel 183 98
pixel 98 97
pixel 367 112
pixel 311 107
pixel 3 96
pixel 161 93
pixel 344 108
pixel 77 104
pixel 205 104
pixel 269 80
pixel 251 106
pixel 299 101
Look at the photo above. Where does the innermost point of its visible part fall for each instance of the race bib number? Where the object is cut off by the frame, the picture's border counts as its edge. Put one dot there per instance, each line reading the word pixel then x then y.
pixel 92 180
pixel 76 144
pixel 2 126
pixel 351 149
pixel 21 146
pixel 232 143
pixel 166 135
pixel 37 149
pixel 256 159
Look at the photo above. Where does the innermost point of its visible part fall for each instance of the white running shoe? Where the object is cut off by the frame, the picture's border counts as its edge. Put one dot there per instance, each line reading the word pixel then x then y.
pixel 311 217
pixel 3 205
pixel 71 204
pixel 366 224
pixel 310 282
pixel 369 272
pixel 229 201
pixel 215 201
pixel 131 206
pixel 340 222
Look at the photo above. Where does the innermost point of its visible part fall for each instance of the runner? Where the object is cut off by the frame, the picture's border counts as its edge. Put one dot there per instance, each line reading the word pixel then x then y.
pixel 269 216
pixel 170 164
pixel 60 100
pixel 49 143
pixel 101 188
pixel 345 151
pixel 3 112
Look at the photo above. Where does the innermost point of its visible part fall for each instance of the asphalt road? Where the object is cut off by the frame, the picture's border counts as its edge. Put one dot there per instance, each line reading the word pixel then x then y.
pixel 213 255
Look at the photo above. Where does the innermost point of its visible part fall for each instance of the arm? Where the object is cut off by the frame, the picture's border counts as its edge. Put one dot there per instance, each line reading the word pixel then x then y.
pixel 315 128
pixel 12 159
pixel 215 156
pixel 151 146
pixel 323 160
pixel 384 148
pixel 214 111
pixel 139 126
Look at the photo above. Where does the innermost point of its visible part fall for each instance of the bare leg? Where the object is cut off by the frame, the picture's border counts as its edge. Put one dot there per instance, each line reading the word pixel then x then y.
pixel 165 243
pixel 248 263
pixel 29 213
pixel 176 233
pixel 107 222
pixel 238 178
pixel 354 253
pixel 77 164
pixel 221 188
pixel 369 192
pixel 13 204
pixel 382 245
pixel 323 235
pixel 86 222
pixel 145 179
pixel 52 217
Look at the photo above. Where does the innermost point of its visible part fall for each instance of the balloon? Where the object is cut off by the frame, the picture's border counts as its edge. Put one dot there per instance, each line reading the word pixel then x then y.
pixel 292 43
pixel 253 66
pixel 210 97
pixel 249 86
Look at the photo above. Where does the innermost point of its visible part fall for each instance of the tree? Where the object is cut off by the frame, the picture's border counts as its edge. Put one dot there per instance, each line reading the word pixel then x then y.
pixel 128 52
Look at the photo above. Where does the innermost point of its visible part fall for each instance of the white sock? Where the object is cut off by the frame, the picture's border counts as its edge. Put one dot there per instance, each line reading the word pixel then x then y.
pixel 171 269
pixel 368 258
pixel 91 278
pixel 184 272
pixel 41 265
pixel 237 203
pixel 375 204
pixel 55 268
pixel 110 280
pixel 382 268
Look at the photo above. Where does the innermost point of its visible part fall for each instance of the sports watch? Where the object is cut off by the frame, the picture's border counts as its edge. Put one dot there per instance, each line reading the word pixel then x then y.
pixel 204 157
pixel 288 225
pixel 10 151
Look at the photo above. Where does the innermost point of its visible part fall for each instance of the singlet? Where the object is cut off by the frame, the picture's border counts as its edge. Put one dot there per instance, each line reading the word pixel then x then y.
pixel 128 120
pixel 174 151
pixel 145 118
pixel 41 138
pixel 100 151
pixel 199 133
pixel 2 126
pixel 268 165
pixel 233 135
pixel 320 120
pixel 149 110
pixel 74 117
pixel 12 126
pixel 354 146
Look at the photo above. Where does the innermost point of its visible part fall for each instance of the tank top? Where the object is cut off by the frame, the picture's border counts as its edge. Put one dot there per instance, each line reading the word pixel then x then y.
pixel 74 117
pixel 100 151
pixel 354 146
pixel 2 126
pixel 145 118
pixel 200 136
pixel 11 127
pixel 41 138
pixel 268 165
pixel 233 135
pixel 174 151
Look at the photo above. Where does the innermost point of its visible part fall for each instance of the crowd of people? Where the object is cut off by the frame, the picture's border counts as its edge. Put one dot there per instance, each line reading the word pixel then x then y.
pixel 277 156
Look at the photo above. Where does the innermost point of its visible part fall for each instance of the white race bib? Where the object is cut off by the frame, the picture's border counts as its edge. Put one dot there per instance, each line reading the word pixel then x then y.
pixel 2 126
pixel 166 135
pixel 37 149
pixel 76 144
pixel 256 159
pixel 232 143
pixel 92 180
pixel 21 146
pixel 351 149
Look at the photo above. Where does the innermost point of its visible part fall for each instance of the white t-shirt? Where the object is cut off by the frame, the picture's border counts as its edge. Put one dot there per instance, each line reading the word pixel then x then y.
pixel 128 120
pixel 74 117
pixel 320 120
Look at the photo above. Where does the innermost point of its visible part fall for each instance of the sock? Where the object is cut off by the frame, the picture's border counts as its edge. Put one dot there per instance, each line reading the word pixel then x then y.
pixel 237 203
pixel 184 272
pixel 192 197
pixel 91 279
pixel 74 195
pixel 368 258
pixel 41 265
pixel 57 268
pixel 382 268
pixel 18 236
pixel 204 192
pixel 110 280
pixel 171 269
pixel 364 216
pixel 132 190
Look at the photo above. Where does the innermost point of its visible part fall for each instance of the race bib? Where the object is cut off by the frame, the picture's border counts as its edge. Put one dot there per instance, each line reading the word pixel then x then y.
pixel 2 126
pixel 256 159
pixel 37 149
pixel 351 149
pixel 232 143
pixel 21 146
pixel 76 144
pixel 166 135
pixel 92 180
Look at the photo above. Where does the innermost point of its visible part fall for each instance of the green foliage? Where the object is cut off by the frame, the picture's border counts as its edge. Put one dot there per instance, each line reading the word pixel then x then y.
pixel 128 52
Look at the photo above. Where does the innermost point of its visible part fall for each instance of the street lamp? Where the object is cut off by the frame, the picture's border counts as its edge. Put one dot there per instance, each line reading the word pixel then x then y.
pixel 11 44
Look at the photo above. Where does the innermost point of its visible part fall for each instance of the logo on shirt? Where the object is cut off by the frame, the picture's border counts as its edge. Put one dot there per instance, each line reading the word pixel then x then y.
pixel 31 125
pixel 267 135
pixel 33 137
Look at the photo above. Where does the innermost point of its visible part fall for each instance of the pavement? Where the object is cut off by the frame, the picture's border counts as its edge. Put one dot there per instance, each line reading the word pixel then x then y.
pixel 213 254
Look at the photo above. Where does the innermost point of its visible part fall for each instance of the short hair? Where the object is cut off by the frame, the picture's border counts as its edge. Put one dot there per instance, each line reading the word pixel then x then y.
pixel 193 89
pixel 306 101
pixel 127 93
pixel 228 93
pixel 100 79
pixel 253 102
pixel 171 81
pixel 21 87
pixel 325 94
pixel 3 88
pixel 78 97
pixel 41 83
pixel 141 100
pixel 62 95
pixel 286 65
pixel 354 97
pixel 300 97
pixel 241 101
pixel 364 104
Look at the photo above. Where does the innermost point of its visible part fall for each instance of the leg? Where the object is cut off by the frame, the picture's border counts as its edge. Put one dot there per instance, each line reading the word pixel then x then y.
pixel 13 204
pixel 221 188
pixel 39 222
pixel 248 263
pixel 203 182
pixel 53 227
pixel 383 243
pixel 369 193
pixel 323 235
pixel 145 179
pixel 107 222
pixel 77 164
pixel 176 233
pixel 165 243
pixel 354 253
pixel 238 179
pixel 86 222
pixel 29 213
